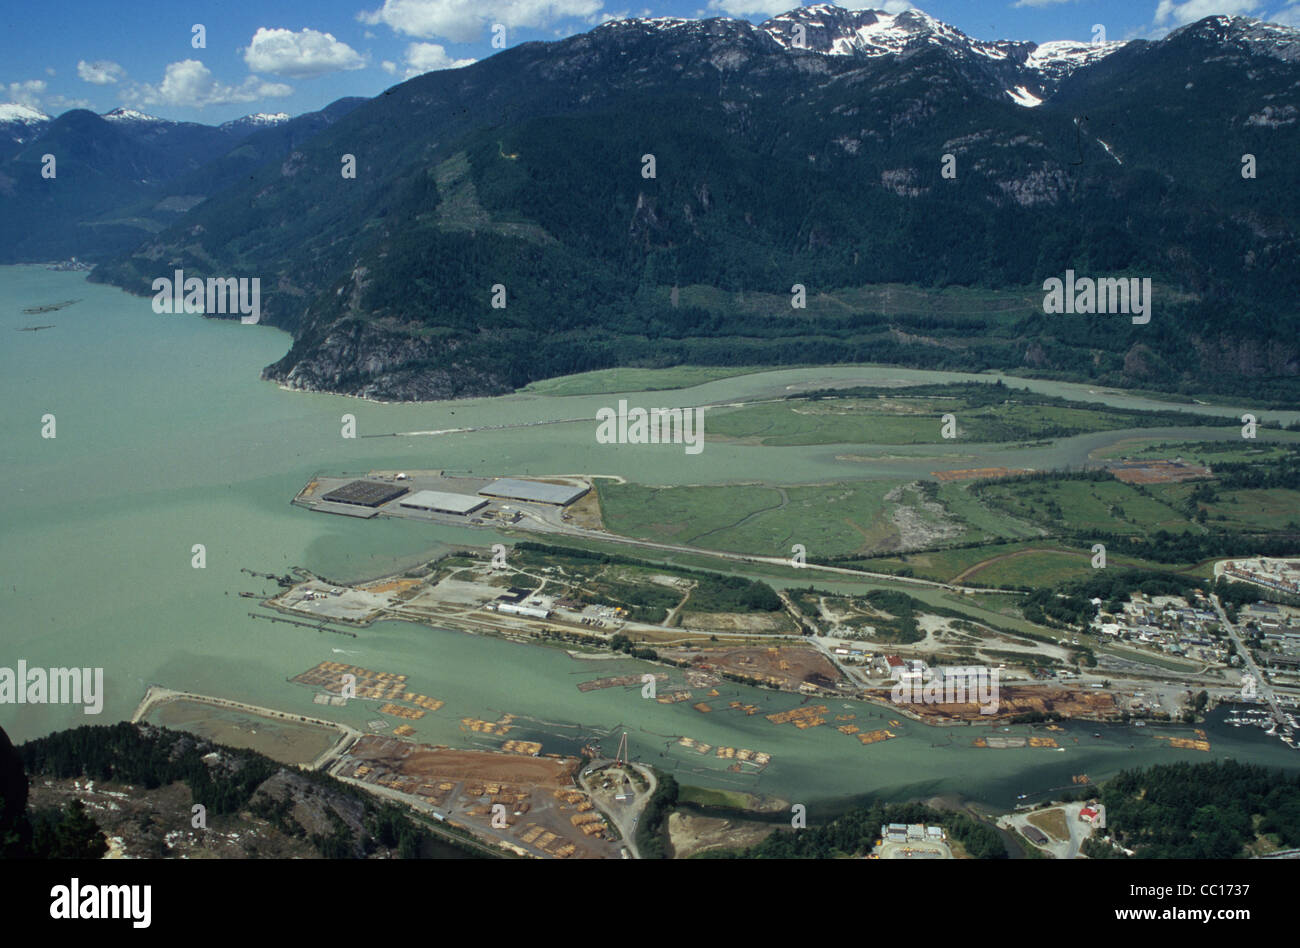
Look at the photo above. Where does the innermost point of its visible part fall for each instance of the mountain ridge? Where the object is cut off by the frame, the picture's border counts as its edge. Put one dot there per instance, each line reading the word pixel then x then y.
pixel 776 166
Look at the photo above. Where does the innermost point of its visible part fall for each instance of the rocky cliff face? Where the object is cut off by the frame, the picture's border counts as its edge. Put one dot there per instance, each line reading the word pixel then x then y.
pixel 370 361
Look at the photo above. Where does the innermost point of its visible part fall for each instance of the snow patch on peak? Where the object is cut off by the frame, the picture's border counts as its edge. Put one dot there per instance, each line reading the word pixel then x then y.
pixel 1110 151
pixel 258 120
pixel 129 115
pixel 835 31
pixel 651 22
pixel 1270 39
pixel 1069 54
pixel 13 112
pixel 1022 96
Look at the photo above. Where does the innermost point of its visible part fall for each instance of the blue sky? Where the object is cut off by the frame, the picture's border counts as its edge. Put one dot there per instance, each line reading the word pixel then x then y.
pixel 297 56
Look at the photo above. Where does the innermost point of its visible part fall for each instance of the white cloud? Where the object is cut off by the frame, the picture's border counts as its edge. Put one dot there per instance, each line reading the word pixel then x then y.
pixel 31 93
pixel 422 58
pixel 1171 13
pixel 889 6
pixel 749 7
pixel 61 103
pixel 468 21
pixel 28 93
pixel 102 72
pixel 743 8
pixel 1039 3
pixel 1288 16
pixel 190 84
pixel 304 54
pixel 426 57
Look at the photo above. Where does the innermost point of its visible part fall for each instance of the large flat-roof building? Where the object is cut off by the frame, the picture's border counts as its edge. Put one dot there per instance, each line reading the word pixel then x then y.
pixel 538 492
pixel 533 612
pixel 364 493
pixel 439 501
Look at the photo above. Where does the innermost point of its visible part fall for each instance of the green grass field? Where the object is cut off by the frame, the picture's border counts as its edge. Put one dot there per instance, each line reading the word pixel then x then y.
pixel 828 520
pixel 613 381
pixel 835 421
pixel 984 522
pixel 1033 563
pixel 1208 453
pixel 1254 510
pixel 1105 506
pixel 1036 567
pixel 679 514
pixel 983 414
pixel 899 420
pixel 940 565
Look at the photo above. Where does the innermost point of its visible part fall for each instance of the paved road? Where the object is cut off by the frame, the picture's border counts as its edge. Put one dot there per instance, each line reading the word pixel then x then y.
pixel 1263 688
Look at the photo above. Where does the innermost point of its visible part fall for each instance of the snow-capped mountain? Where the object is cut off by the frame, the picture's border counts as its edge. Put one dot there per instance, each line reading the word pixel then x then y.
pixel 23 114
pixel 258 120
pixel 130 115
pixel 1246 35
pixel 840 32
pixel 1026 72
pixel 242 125
pixel 1058 58
pixel 21 123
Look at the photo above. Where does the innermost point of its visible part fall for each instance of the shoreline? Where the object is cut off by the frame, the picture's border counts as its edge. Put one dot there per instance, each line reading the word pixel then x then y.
pixel 156 696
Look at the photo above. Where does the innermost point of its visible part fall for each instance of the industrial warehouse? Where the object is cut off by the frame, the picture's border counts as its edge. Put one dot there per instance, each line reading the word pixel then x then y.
pixel 537 492
pixel 437 501
pixel 440 497
pixel 364 493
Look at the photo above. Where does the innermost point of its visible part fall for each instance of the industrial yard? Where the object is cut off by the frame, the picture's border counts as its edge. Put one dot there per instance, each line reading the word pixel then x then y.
pixel 788 667
pixel 527 804
pixel 442 498
pixel 554 595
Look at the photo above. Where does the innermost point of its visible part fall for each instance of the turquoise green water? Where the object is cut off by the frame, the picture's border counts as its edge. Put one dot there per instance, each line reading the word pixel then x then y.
pixel 166 438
